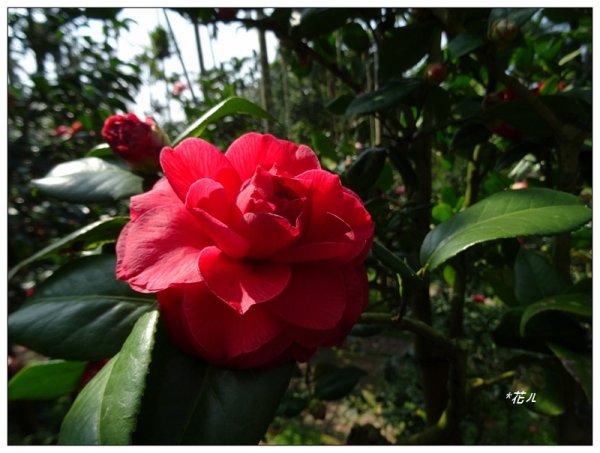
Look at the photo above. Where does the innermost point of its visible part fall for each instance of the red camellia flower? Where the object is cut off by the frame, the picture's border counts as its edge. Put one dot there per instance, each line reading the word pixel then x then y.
pixel 137 142
pixel 256 254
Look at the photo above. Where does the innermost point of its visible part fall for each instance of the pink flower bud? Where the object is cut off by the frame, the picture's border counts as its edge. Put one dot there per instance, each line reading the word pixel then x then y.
pixel 178 88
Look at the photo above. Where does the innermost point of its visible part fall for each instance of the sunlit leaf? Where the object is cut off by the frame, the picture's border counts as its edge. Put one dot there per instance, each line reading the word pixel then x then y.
pixel 576 304
pixel 105 412
pixel 229 106
pixel 95 233
pixel 190 402
pixel 505 214
pixel 45 380
pixel 90 179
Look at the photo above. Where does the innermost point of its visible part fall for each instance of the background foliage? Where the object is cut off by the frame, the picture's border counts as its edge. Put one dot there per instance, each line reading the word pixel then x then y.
pixel 423 112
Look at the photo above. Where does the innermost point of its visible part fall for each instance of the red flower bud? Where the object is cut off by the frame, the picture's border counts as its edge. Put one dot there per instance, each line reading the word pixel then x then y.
pixel 76 126
pixel 137 143
pixel 226 13
pixel 436 73
pixel 507 131
pixel 479 298
pixel 60 131
pixel 178 88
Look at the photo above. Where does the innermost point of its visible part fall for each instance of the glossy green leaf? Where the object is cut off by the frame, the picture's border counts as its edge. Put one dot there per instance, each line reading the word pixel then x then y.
pixel 577 304
pixel 536 278
pixel 364 171
pixel 46 380
pixel 388 95
pixel 323 145
pixel 190 402
pixel 337 382
pixel 321 21
pixel 436 106
pixel 519 15
pixel 105 412
pixel 340 104
pixel 76 327
pixel 578 365
pixel 355 37
pixel 463 44
pixel 229 106
pixel 393 261
pixel 403 47
pixel 90 179
pixel 442 212
pixel 549 326
pixel 102 150
pixel 92 235
pixel 81 312
pixel 86 276
pixel 468 136
pixel 525 212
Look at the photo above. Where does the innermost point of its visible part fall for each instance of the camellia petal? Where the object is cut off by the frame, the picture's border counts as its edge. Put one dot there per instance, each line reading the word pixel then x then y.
pixel 160 249
pixel 258 226
pixel 315 297
pixel 242 283
pixel 194 159
pixel 226 238
pixel 161 195
pixel 251 150
pixel 210 196
pixel 222 332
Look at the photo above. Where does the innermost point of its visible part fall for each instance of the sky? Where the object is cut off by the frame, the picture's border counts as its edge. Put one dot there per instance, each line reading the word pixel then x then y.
pixel 233 41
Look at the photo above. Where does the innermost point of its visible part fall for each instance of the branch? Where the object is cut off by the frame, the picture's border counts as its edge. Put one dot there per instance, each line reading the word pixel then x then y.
pixel 411 325
pixel 297 45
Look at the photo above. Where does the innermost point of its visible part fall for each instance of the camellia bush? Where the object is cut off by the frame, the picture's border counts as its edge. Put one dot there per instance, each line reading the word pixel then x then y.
pixel 184 322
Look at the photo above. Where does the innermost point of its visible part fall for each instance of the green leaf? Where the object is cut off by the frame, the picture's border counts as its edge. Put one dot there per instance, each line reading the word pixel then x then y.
pixel 105 412
pixel 96 233
pixel 323 145
pixel 393 261
pixel 543 377
pixel 525 212
pixel 577 304
pixel 102 150
pixel 47 380
pixel 81 312
pixel 76 327
pixel 337 382
pixel 441 212
pixel 87 180
pixel 226 107
pixel 340 104
pixel 86 276
pixel 190 402
pixel 355 37
pixel 389 95
pixel 468 136
pixel 403 47
pixel 519 15
pixel 321 21
pixel 437 106
pixel 536 278
pixel 578 365
pixel 364 171
pixel 463 44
